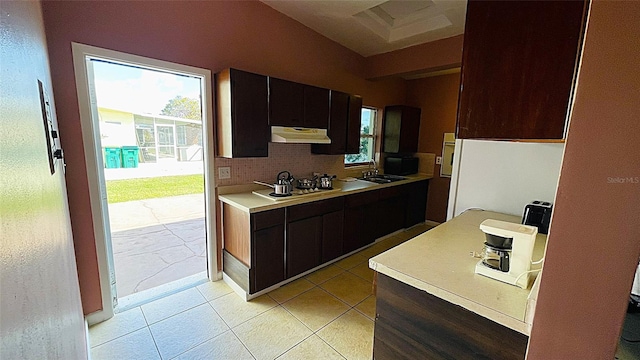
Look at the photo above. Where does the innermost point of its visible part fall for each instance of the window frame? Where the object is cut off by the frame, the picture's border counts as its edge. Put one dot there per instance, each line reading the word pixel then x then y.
pixel 373 136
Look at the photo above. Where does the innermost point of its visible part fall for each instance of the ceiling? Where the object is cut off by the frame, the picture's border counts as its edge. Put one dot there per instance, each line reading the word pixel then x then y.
pixel 371 27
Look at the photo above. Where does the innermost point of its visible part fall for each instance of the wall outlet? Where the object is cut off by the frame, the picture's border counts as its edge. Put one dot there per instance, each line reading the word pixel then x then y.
pixel 438 160
pixel 224 173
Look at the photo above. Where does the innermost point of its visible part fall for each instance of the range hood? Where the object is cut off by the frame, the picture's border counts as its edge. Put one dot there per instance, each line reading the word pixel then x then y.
pixel 291 135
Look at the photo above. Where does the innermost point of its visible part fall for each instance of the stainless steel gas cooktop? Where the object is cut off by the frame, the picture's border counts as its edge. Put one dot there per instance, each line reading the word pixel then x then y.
pixel 295 194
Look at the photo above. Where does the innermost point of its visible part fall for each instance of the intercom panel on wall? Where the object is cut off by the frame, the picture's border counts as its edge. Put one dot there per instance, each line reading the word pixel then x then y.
pixel 50 132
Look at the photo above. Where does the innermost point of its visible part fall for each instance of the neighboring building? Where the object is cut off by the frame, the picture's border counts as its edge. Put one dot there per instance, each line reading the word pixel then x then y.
pixel 159 137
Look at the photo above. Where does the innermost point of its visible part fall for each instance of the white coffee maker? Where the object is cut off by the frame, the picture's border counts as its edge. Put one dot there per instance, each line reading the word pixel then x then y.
pixel 507 252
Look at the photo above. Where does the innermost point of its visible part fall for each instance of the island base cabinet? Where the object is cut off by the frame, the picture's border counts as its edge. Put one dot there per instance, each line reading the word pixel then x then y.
pixel 412 324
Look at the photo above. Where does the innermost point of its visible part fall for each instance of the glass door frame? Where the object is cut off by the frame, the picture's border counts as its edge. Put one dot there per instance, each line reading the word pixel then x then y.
pixel 94 162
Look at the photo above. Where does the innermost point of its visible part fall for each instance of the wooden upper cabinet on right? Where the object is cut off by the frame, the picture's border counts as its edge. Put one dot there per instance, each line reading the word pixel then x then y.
pixel 518 68
pixel 401 129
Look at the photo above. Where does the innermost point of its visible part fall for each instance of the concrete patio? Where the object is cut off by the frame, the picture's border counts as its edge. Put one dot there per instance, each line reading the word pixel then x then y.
pixel 156 241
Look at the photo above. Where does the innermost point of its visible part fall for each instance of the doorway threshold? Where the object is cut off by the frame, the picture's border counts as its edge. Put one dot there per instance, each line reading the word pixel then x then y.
pixel 140 298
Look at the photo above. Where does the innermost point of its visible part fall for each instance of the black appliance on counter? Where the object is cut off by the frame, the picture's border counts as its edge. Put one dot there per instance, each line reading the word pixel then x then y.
pixel 401 165
pixel 538 213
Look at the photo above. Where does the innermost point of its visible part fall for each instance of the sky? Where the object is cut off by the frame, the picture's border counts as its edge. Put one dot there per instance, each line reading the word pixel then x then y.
pixel 139 90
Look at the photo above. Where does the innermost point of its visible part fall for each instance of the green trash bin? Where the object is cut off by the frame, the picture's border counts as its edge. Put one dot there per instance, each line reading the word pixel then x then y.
pixel 130 156
pixel 112 158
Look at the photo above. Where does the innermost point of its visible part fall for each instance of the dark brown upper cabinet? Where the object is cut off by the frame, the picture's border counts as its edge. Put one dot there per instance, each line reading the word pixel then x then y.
pixel 297 105
pixel 401 129
pixel 344 114
pixel 316 107
pixel 354 124
pixel 242 114
pixel 286 103
pixel 518 68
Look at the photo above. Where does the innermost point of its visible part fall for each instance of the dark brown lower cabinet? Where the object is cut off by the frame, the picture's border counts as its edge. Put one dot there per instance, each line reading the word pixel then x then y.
pixel 360 220
pixel 416 205
pixel 267 250
pixel 314 234
pixel 390 210
pixel 412 324
pixel 332 232
pixel 304 242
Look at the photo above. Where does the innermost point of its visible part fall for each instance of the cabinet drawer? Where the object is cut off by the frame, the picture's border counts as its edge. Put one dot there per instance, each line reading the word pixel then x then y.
pixel 266 219
pixel 315 208
pixel 364 198
pixel 390 192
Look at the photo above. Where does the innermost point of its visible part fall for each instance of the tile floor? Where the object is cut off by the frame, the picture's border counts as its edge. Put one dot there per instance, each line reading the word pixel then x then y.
pixel 327 314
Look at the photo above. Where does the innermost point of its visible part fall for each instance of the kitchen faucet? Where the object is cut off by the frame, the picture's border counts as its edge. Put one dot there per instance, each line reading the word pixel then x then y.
pixel 371 172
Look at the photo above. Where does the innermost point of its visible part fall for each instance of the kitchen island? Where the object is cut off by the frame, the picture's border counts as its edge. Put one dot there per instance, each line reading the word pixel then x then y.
pixel 268 242
pixel 430 303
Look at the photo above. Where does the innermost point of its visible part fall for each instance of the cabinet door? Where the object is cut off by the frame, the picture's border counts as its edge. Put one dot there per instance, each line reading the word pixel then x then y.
pixel 332 235
pixel 518 67
pixel 241 103
pixel 338 118
pixel 401 129
pixel 267 252
pixel 390 211
pixel 316 107
pixel 360 220
pixel 304 240
pixel 416 209
pixel 286 103
pixel 353 125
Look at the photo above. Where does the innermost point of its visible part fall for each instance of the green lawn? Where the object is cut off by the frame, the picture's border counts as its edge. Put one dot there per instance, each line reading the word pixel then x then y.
pixel 147 188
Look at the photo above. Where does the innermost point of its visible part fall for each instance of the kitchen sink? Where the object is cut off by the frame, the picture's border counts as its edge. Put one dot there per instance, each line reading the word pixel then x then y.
pixel 383 178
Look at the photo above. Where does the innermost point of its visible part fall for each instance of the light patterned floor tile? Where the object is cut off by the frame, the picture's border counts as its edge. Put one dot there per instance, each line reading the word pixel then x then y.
pixel 225 346
pixel 312 348
pixel 181 332
pixel 291 290
pixel 235 311
pixel 363 271
pixel 324 274
pixel 316 308
pixel 351 335
pixel 119 325
pixel 272 333
pixel 351 261
pixel 214 289
pixel 136 345
pixel 171 305
pixel 368 307
pixel 348 288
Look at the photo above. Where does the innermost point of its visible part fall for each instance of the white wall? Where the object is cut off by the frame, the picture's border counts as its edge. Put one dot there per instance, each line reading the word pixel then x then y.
pixel 40 310
pixel 503 176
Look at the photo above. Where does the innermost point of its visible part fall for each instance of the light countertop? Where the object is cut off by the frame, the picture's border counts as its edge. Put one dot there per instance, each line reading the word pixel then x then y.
pixel 439 262
pixel 251 203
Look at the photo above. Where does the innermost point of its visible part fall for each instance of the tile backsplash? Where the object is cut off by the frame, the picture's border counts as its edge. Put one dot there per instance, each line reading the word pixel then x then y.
pixel 300 162
pixel 295 158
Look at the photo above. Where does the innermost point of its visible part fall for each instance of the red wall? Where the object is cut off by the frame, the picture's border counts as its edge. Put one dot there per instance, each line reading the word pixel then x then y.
pixel 438 98
pixel 594 240
pixel 213 35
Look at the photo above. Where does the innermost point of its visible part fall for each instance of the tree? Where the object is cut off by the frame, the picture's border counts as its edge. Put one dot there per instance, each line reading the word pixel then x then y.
pixel 183 107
